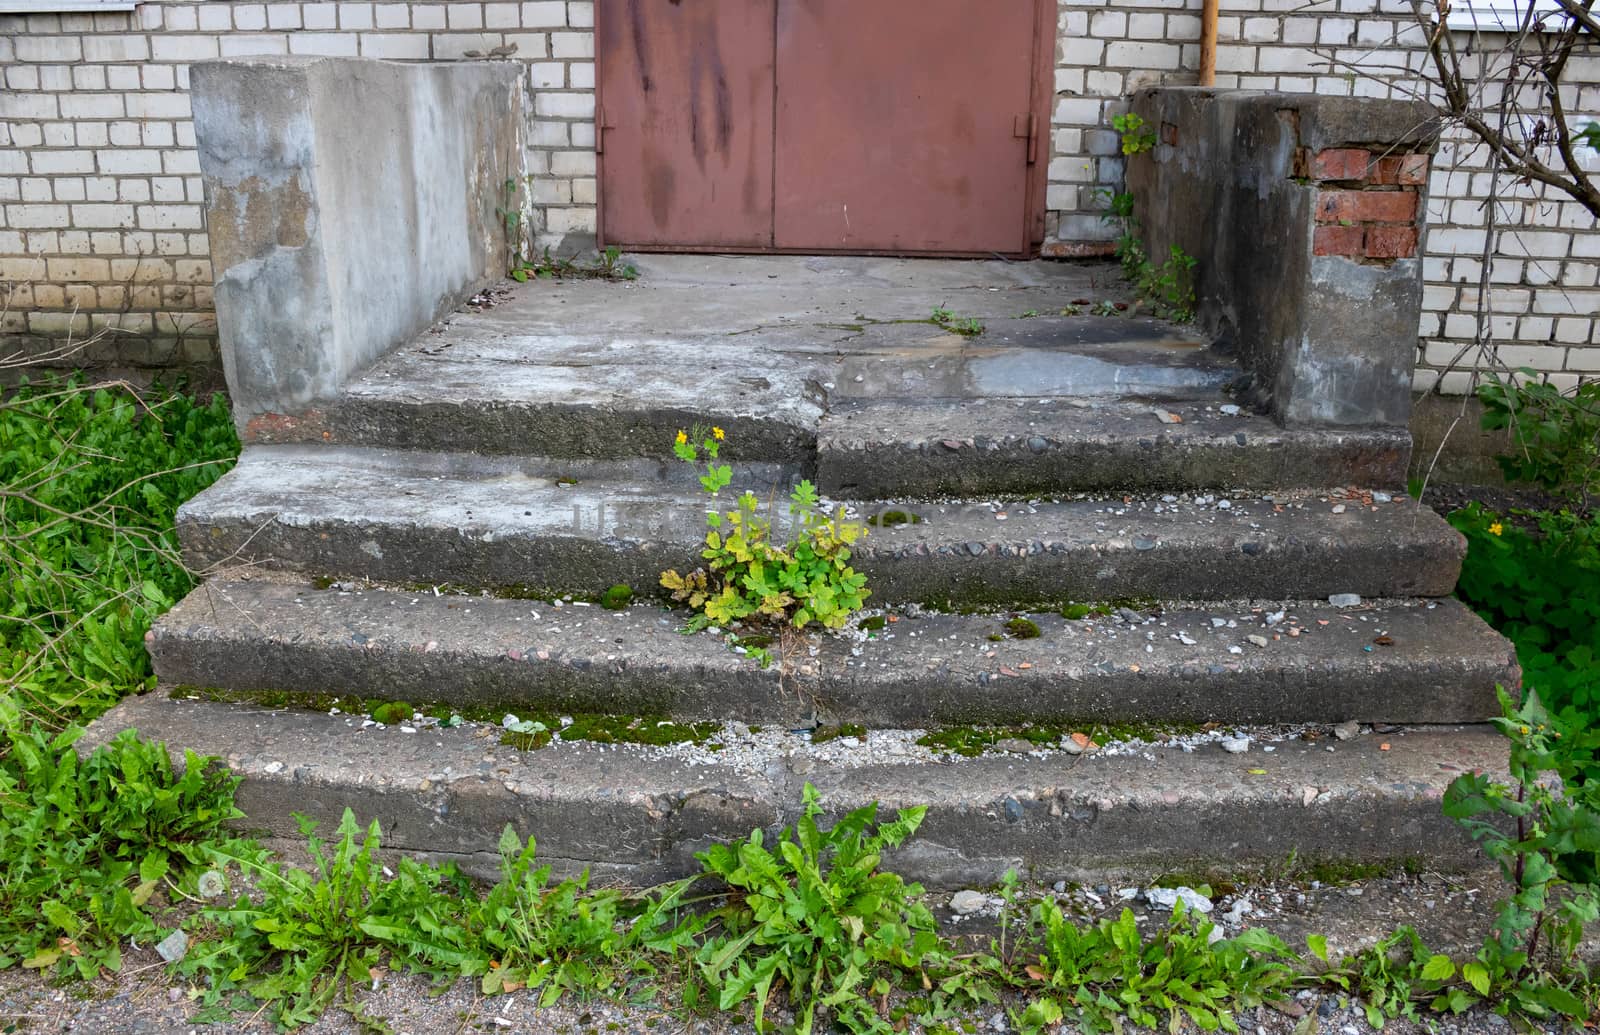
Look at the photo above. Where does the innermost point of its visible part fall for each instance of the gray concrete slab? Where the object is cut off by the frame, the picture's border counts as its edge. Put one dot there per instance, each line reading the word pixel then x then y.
pixel 639 814
pixel 501 521
pixel 1441 662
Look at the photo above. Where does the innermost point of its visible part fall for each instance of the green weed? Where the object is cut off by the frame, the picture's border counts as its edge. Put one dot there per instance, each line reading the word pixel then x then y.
pixel 750 576
pixel 89 485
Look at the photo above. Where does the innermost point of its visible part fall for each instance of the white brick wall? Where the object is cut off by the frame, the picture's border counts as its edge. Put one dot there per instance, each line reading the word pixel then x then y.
pixel 97 160
pixel 1102 56
pixel 100 195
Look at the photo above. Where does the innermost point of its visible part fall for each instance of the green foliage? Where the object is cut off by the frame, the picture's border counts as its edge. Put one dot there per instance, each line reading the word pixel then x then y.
pixel 1543 833
pixel 1136 135
pixel 967 326
pixel 554 937
pixel 1100 976
pixel 617 598
pixel 317 932
pixel 86 844
pixel 89 483
pixel 816 914
pixel 750 576
pixel 1169 287
pixel 1557 433
pixel 1536 578
pixel 605 266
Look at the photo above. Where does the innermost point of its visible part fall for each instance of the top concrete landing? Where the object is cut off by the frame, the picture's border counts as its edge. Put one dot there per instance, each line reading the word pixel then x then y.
pixel 851 327
pixel 719 294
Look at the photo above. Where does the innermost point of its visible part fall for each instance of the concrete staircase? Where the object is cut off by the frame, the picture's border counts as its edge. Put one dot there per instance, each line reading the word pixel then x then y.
pixel 435 533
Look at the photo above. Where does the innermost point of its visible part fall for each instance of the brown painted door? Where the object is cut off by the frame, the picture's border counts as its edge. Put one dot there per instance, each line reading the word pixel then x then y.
pixel 685 132
pixel 898 126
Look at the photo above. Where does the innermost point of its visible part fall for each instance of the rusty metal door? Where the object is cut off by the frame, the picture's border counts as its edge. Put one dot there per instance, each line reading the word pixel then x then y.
pixel 685 122
pixel 891 126
pixel 898 125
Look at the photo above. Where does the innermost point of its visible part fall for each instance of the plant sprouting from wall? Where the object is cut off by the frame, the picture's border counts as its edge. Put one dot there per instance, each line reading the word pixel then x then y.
pixel 1169 285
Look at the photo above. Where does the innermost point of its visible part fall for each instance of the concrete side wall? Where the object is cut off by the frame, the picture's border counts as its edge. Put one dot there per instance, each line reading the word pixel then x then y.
pixel 1304 213
pixel 349 203
pixel 102 231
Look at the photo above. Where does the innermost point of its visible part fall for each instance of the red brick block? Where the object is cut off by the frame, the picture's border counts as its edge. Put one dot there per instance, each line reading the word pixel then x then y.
pixel 1391 242
pixel 1386 171
pixel 1337 240
pixel 1366 206
pixel 1341 163
pixel 1413 170
pixel 1169 134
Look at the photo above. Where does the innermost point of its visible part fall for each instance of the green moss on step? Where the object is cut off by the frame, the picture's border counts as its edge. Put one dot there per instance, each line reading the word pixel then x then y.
pixel 971 741
pixel 874 623
pixel 617 598
pixel 823 734
pixel 1020 628
pixel 893 518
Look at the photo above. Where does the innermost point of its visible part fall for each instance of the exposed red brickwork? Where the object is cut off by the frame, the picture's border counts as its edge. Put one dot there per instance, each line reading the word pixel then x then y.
pixel 1366 206
pixel 1341 163
pixel 286 427
pixel 1338 240
pixel 1367 201
pixel 1169 134
pixel 1391 242
pixel 1077 249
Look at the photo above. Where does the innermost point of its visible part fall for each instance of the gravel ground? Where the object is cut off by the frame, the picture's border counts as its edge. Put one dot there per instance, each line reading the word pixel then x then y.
pixel 1449 911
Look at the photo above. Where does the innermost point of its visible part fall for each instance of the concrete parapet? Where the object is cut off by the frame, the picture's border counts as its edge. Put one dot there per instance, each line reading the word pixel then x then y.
pixel 349 202
pixel 1306 215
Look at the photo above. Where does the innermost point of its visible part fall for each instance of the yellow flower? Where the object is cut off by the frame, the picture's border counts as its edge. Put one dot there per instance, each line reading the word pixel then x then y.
pixel 682 438
pixel 718 433
pixel 1496 528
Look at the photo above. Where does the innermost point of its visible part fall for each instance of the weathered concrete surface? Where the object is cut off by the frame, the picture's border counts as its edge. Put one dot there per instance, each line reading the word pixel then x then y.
pixel 501 521
pixel 760 346
pixel 1328 339
pixel 889 449
pixel 349 203
pixel 640 813
pixel 1441 665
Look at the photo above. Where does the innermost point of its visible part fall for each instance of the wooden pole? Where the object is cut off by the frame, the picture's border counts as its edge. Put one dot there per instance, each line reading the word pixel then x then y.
pixel 1208 44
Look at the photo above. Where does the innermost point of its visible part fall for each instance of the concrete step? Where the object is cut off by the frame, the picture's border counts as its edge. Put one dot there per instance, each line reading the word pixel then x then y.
pixel 639 814
pixel 407 517
pixel 1439 662
pixel 890 448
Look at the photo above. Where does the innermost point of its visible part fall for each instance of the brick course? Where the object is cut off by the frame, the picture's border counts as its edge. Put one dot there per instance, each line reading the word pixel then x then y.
pixel 96 150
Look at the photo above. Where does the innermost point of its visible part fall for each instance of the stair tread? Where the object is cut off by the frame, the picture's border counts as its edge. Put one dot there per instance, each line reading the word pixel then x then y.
pixel 482 521
pixel 1440 662
pixel 640 812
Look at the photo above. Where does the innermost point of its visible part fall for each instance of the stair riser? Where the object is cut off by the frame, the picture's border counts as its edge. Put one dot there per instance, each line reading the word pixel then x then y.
pixel 564 432
pixel 1014 468
pixel 629 816
pixel 1441 664
pixel 949 576
pixel 1450 691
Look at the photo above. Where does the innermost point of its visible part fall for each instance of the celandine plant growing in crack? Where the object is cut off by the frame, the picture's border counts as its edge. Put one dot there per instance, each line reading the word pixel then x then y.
pixel 748 575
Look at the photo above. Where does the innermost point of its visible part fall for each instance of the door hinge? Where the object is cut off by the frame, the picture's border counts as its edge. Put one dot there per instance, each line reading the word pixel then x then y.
pixel 1026 127
pixel 602 122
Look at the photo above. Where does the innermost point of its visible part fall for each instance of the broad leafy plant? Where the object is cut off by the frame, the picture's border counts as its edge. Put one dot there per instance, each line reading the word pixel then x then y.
pixel 749 573
pixel 816 914
pixel 89 845
pixel 1101 976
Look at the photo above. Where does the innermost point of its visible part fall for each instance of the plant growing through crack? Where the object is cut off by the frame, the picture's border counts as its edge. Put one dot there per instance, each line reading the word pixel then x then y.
pixel 748 574
pixel 967 326
pixel 1169 286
